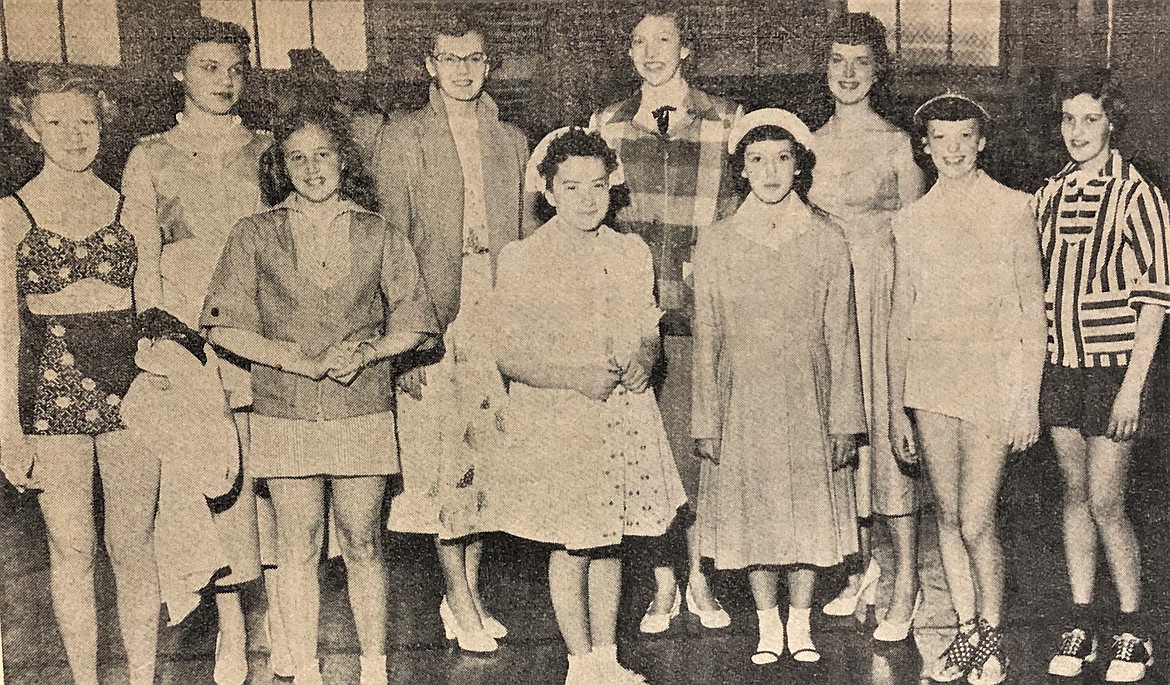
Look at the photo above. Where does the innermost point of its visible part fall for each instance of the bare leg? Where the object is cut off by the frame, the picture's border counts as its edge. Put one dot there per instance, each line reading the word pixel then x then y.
pixel 1108 469
pixel 1080 533
pixel 130 481
pixel 568 585
pixel 605 585
pixel 765 585
pixel 472 558
pixel 667 585
pixel 904 535
pixel 939 436
pixel 68 513
pixel 357 502
pixel 696 579
pixel 981 473
pixel 800 587
pixel 300 526
pixel 453 560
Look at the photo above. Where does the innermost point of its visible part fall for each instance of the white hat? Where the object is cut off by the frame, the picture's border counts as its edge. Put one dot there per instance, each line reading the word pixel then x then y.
pixel 769 116
pixel 533 183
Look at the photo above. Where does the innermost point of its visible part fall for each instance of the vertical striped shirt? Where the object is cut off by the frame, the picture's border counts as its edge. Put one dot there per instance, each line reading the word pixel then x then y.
pixel 1104 249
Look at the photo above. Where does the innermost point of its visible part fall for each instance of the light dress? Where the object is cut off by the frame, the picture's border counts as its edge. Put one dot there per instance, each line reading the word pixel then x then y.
pixel 444 435
pixel 578 472
pixel 859 179
pixel 777 373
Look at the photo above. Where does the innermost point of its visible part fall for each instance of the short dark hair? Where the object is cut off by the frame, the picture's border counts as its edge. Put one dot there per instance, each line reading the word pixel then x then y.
pixel 679 12
pixel 806 160
pixel 576 142
pixel 862 28
pixel 356 183
pixel 952 108
pixel 183 37
pixel 1100 85
pixel 454 25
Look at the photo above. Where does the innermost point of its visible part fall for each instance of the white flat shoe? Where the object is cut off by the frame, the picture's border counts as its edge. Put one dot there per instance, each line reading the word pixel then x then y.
pixel 846 604
pixel 889 631
pixel 653 624
pixel 714 618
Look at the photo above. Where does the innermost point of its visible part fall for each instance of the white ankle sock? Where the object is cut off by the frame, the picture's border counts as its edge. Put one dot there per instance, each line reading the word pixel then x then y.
pixel 771 634
pixel 800 633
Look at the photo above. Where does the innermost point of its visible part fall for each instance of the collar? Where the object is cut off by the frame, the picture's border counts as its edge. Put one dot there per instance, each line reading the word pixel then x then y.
pixel 756 210
pixel 186 135
pixel 1115 167
pixel 697 104
pixel 330 209
pixel 772 225
pixel 485 106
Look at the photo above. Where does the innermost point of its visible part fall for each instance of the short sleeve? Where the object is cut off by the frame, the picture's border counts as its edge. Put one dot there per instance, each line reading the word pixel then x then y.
pixel 1146 225
pixel 232 296
pixel 408 306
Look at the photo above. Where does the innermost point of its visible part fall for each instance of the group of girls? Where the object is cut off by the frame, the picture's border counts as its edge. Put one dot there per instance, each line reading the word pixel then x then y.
pixel 847 330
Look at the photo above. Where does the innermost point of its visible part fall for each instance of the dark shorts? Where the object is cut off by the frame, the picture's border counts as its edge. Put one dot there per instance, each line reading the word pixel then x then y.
pixel 1079 398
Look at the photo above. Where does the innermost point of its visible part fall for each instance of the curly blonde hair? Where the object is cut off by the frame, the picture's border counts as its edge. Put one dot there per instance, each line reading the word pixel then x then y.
pixel 60 78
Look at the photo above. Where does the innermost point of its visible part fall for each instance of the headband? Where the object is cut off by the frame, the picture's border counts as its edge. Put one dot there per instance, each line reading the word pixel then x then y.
pixel 770 116
pixel 950 95
pixel 533 183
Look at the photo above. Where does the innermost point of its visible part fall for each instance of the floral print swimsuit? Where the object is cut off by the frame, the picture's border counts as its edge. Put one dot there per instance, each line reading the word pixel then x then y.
pixel 75 368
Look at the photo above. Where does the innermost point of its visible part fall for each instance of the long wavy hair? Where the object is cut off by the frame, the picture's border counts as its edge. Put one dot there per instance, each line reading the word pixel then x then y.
pixel 356 184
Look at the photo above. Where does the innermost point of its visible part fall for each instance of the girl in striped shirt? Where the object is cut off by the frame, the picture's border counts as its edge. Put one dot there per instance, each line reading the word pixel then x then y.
pixel 1107 287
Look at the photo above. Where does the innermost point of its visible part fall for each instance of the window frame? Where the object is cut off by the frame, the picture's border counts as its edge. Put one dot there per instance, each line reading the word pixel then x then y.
pixel 256 38
pixel 950 68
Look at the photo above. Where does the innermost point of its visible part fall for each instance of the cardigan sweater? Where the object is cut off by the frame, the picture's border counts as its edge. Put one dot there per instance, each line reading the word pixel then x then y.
pixel 420 189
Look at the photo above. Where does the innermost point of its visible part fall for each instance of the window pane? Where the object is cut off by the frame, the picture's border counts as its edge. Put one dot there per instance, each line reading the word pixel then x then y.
pixel 91 32
pixel 235 11
pixel 33 30
pixel 284 25
pixel 339 27
pixel 924 32
pixel 976 32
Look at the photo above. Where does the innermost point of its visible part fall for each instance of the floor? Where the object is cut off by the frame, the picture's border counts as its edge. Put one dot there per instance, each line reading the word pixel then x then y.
pixel 687 654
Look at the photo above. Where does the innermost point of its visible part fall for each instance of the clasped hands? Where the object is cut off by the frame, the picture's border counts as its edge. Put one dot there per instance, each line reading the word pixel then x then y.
pixel 843 447
pixel 340 361
pixel 597 382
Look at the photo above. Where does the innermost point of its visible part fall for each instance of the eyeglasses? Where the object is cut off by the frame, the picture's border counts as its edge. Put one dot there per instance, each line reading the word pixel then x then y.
pixel 475 59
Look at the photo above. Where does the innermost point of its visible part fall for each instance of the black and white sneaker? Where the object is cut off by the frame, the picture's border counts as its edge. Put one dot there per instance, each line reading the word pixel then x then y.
pixel 1077 648
pixel 1131 657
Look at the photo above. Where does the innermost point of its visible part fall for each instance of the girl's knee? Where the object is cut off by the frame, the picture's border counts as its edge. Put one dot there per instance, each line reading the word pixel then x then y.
pixel 301 545
pixel 362 547
pixel 1107 508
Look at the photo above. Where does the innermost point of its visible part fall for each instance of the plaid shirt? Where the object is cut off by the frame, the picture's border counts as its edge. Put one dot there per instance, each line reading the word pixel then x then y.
pixel 678 182
pixel 1104 246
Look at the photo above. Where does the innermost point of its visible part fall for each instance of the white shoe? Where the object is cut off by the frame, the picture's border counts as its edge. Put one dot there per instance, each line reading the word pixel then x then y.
pixel 845 604
pixel 714 618
pixel 654 624
pixel 494 628
pixel 230 668
pixel 1131 657
pixel 889 631
pixel 477 641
